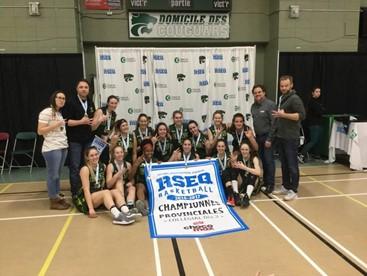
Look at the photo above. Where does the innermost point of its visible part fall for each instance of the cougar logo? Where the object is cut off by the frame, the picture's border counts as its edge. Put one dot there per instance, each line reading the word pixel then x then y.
pixel 145 59
pixel 235 75
pixel 146 99
pixel 202 59
pixel 128 77
pixel 248 116
pixel 180 77
pixel 204 98
pixel 246 57
pixel 247 97
pixel 203 118
pixel 142 23
pixel 162 114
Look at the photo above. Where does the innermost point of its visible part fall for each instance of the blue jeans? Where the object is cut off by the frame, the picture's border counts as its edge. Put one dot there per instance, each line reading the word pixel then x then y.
pixel 267 159
pixel 55 160
pixel 288 150
pixel 76 151
pixel 315 135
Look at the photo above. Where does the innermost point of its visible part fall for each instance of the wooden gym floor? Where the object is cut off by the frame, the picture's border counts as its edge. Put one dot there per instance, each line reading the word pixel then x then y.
pixel 323 232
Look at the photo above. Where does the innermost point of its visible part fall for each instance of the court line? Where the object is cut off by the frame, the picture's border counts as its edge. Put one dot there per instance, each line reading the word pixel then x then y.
pixel 335 190
pixel 293 244
pixel 204 257
pixel 6 187
pixel 323 234
pixel 56 245
pixel 48 216
pixel 157 258
pixel 331 180
pixel 28 199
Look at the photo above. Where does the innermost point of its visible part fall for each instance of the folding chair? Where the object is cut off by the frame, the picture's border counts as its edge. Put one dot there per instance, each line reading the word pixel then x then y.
pixel 4 139
pixel 23 146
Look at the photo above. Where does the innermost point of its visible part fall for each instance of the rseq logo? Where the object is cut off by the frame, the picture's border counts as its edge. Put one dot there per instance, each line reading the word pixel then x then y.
pixel 161 71
pixel 244 69
pixel 220 70
pixel 199 71
pixel 217 57
pixel 109 71
pixel 159 104
pixel 104 57
pixel 203 83
pixel 143 71
pixel 146 83
pixel 216 102
pixel 158 57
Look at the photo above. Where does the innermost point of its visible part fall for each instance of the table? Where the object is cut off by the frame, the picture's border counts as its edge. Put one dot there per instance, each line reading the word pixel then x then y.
pixel 353 140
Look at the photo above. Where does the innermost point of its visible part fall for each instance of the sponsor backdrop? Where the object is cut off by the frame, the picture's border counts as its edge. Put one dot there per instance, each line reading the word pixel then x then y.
pixel 158 81
pixel 187 200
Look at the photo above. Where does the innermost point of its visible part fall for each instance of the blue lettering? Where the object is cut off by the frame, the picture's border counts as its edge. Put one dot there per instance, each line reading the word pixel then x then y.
pixel 109 71
pixel 104 57
pixel 244 69
pixel 168 182
pixel 178 180
pixel 143 71
pixel 247 81
pixel 204 178
pixel 217 57
pixel 157 57
pixel 191 181
pixel 164 182
pixel 199 71
pixel 220 70
pixel 159 104
pixel 203 83
pixel 217 102
pixel 161 71
pixel 146 83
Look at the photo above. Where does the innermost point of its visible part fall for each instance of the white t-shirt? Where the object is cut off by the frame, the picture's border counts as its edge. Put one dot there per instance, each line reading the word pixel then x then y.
pixel 56 138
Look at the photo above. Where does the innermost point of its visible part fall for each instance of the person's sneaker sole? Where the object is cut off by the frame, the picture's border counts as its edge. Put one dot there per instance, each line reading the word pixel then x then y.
pixel 123 222
pixel 140 205
pixel 293 197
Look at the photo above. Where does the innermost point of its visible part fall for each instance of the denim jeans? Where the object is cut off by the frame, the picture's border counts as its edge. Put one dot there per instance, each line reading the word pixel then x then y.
pixel 76 151
pixel 288 150
pixel 267 159
pixel 315 136
pixel 55 160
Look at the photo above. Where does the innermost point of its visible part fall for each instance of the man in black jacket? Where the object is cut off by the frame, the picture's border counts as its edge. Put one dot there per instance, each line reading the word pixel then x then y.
pixel 289 115
pixel 78 112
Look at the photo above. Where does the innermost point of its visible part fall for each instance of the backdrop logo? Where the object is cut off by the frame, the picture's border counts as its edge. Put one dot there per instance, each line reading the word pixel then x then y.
pixel 241 88
pixel 216 103
pixel 246 57
pixel 144 58
pixel 108 85
pixel 123 60
pixel 158 57
pixel 204 98
pixel 236 108
pixel 139 90
pixel 235 75
pixel 244 69
pixel 128 77
pixel 159 104
pixel 124 99
pixel 161 71
pixel 189 90
pixel 162 114
pixel 180 77
pixel 219 84
pixel 134 110
pixel 199 71
pixel 168 98
pixel 143 71
pixel 160 85
pixel 220 70
pixel 233 58
pixel 202 59
pixel 146 83
pixel 203 118
pixel 146 99
pixel 172 98
pixel 130 111
pixel 142 23
pixel 217 57
pixel 203 83
pixel 248 116
pixel 178 59
pixel 132 122
pixel 229 96
pixel 104 57
pixel 247 97
pixel 109 71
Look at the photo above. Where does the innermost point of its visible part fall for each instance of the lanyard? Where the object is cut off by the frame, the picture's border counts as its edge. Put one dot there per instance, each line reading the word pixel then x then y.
pixel 216 130
pixel 163 150
pixel 280 102
pixel 109 120
pixel 125 142
pixel 197 140
pixel 239 139
pixel 141 134
pixel 85 106
pixel 149 166
pixel 97 175
pixel 186 157
pixel 59 117
pixel 179 133
pixel 223 165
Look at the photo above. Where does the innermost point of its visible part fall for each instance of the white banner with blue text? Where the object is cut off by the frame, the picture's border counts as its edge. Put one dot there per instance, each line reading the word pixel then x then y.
pixel 187 200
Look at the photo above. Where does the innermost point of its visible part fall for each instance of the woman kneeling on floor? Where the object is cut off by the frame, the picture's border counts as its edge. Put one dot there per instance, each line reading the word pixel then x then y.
pixel 92 194
pixel 117 177
pixel 249 169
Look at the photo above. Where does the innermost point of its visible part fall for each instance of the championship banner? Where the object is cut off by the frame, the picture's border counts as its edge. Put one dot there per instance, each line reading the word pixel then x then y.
pixel 187 200
pixel 99 144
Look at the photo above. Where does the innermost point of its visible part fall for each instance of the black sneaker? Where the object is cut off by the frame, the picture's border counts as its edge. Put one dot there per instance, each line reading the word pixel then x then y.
pixel 245 201
pixel 237 199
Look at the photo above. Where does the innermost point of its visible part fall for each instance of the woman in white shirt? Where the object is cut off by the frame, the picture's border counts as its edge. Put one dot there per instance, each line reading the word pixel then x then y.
pixel 54 149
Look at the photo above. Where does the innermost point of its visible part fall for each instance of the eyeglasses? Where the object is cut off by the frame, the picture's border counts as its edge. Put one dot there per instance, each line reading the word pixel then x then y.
pixel 60 98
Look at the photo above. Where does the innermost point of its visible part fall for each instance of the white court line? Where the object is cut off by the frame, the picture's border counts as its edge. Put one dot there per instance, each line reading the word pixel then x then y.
pixel 295 246
pixel 157 258
pixel 309 197
pixel 27 199
pixel 330 180
pixel 204 257
pixel 323 234
pixel 48 216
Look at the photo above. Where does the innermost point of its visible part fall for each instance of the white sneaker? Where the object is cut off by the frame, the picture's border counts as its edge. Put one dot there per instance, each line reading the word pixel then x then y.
pixel 281 191
pixel 123 219
pixel 290 196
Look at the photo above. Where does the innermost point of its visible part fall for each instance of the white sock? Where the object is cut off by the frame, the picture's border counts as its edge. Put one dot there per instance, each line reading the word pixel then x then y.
pixel 115 212
pixel 249 190
pixel 235 186
pixel 124 209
